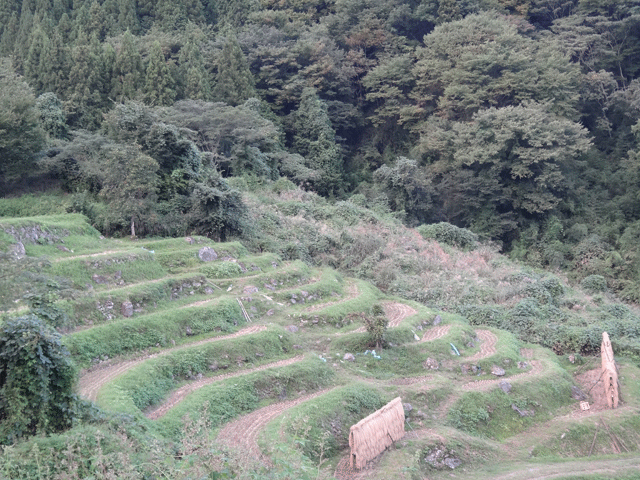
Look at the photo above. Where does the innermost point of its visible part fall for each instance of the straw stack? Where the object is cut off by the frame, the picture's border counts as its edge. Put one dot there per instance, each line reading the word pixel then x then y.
pixel 373 434
pixel 609 372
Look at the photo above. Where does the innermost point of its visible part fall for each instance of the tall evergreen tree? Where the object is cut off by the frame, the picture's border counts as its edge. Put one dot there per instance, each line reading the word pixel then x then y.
pixel 127 71
pixel 20 134
pixel 197 85
pixel 159 84
pixel 9 34
pixel 314 139
pixel 54 64
pixel 89 83
pixel 7 9
pixel 233 82
pixel 38 43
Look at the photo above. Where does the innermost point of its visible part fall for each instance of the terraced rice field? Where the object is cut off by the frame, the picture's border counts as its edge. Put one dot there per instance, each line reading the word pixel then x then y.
pixel 155 313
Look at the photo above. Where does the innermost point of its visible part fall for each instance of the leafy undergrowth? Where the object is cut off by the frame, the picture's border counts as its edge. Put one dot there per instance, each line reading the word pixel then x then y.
pixel 316 271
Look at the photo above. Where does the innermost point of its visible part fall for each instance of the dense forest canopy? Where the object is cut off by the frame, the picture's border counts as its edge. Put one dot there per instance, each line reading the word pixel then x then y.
pixel 518 119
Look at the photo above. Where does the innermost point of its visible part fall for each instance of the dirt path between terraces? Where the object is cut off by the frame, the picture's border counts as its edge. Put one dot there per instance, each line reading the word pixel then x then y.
pixel 94 379
pixel 242 434
pixel 180 394
pixel 90 255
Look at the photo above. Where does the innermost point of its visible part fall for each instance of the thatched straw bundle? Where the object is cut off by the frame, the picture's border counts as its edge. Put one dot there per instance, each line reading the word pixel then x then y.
pixel 609 372
pixel 373 434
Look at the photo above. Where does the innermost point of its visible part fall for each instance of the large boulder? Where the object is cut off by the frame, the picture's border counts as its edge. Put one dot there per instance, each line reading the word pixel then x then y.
pixel 207 254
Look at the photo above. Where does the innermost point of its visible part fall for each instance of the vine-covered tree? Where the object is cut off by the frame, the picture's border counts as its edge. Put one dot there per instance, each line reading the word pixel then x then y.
pixel 36 380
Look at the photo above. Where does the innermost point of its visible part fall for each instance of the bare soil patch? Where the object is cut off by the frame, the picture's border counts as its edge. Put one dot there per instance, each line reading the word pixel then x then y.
pixel 242 434
pixel 397 312
pixel 435 333
pixel 487 347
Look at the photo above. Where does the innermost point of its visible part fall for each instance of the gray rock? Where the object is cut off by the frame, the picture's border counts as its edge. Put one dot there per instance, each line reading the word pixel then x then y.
pixel 452 462
pixel 578 394
pixel 17 249
pixel 189 331
pixel 207 254
pixel 208 290
pixel 497 371
pixel 127 309
pixel 270 312
pixel 291 328
pixel 349 357
pixel 62 248
pixel 437 320
pixel 505 386
pixel 431 364
pixel 407 407
pixel 522 365
pixel 441 458
pixel 249 289
pixel 522 412
pixel 189 240
pixel 99 279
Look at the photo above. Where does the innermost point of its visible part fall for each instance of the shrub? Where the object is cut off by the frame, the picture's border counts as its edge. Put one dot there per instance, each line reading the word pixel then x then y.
pixel 594 284
pixel 450 234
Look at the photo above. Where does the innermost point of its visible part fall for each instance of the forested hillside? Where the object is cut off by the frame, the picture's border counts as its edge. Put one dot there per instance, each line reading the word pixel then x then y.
pixel 516 119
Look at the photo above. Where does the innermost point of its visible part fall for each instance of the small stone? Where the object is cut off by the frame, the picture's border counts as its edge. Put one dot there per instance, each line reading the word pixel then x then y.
pixel 452 462
pixel 505 386
pixel 99 279
pixel 208 290
pixel 189 240
pixel 522 365
pixel 270 312
pixel 127 309
pixel 437 320
pixel 349 357
pixel 291 328
pixel 17 249
pixel 431 364
pixel 497 371
pixel 249 289
pixel 522 412
pixel 62 248
pixel 207 254
pixel 407 407
pixel 189 331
